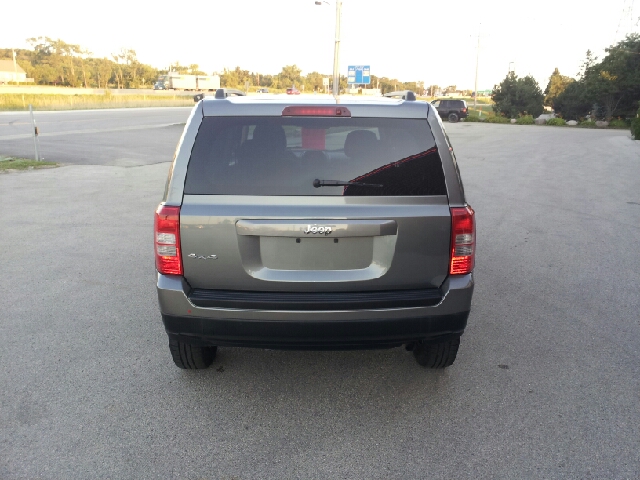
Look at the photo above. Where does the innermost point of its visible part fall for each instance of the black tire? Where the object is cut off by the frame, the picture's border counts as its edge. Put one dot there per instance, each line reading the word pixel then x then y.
pixel 453 117
pixel 437 355
pixel 191 357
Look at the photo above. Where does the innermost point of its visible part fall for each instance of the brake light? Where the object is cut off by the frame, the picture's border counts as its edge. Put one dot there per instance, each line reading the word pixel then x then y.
pixel 463 241
pixel 302 111
pixel 167 240
pixel 464 110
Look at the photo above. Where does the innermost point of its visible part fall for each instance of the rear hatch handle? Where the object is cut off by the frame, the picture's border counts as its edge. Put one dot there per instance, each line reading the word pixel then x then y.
pixel 317 228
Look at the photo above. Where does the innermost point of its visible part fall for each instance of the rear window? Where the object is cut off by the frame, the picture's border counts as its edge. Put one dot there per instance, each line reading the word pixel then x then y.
pixel 288 155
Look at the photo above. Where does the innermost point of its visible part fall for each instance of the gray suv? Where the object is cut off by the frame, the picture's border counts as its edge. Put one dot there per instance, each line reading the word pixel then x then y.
pixel 314 222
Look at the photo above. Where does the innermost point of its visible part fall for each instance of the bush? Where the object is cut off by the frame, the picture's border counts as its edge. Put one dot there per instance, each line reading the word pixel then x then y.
pixel 587 124
pixel 556 122
pixel 635 128
pixel 525 120
pixel 618 123
pixel 475 118
pixel 515 96
pixel 497 119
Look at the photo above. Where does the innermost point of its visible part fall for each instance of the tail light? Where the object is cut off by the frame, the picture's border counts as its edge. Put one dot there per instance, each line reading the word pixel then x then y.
pixel 463 241
pixel 167 240
pixel 464 110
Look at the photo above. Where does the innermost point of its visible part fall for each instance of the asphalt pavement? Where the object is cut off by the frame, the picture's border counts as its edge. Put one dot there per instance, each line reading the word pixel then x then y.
pixel 122 137
pixel 546 384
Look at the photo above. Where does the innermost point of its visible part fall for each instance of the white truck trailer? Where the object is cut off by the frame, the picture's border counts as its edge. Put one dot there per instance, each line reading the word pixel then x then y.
pixel 176 81
pixel 208 82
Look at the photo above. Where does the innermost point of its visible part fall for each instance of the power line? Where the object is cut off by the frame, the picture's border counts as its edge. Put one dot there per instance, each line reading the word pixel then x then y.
pixel 626 19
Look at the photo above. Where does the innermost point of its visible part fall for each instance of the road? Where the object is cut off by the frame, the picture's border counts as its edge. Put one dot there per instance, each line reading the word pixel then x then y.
pixel 121 137
pixel 546 385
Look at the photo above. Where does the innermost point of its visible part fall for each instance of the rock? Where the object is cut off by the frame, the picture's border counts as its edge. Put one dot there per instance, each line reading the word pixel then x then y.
pixel 513 120
pixel 572 123
pixel 546 116
pixel 540 121
pixel 600 123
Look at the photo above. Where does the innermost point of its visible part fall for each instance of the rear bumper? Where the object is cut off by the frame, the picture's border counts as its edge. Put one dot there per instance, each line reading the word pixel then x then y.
pixel 313 335
pixel 313 329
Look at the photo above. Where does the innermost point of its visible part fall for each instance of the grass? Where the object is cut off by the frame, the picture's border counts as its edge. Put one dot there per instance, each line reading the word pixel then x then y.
pixel 16 101
pixel 486 110
pixel 619 123
pixel 497 119
pixel 556 122
pixel 525 120
pixel 9 163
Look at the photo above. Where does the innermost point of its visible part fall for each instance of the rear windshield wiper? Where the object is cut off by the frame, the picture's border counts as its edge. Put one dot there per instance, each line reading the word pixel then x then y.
pixel 338 183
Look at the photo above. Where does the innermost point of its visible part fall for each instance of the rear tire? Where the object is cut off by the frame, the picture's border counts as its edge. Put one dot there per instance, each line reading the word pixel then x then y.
pixel 453 117
pixel 437 355
pixel 191 357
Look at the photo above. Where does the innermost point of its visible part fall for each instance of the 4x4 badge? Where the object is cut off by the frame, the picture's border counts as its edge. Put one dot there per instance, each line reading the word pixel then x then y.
pixel 317 229
pixel 203 257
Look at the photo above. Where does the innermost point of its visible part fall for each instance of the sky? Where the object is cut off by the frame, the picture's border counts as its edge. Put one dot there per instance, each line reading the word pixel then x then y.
pixel 434 42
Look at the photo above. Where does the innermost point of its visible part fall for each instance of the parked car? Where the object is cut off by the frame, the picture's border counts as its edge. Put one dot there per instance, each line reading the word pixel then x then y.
pixel 293 91
pixel 453 110
pixel 262 90
pixel 308 223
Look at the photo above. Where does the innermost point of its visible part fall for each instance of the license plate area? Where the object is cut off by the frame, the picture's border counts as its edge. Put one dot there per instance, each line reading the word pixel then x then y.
pixel 310 253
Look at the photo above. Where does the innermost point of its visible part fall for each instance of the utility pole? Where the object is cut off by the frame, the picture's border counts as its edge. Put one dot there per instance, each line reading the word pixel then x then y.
pixel 336 51
pixel 336 48
pixel 15 66
pixel 475 96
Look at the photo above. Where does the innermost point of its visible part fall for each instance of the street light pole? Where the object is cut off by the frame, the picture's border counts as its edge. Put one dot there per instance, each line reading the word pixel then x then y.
pixel 15 66
pixel 475 97
pixel 336 48
pixel 336 51
pixel 510 63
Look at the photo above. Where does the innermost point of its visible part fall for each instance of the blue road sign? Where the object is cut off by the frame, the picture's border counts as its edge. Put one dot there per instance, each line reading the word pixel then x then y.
pixel 359 74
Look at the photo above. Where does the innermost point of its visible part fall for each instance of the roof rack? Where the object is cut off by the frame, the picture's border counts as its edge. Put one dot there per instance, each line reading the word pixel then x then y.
pixel 225 92
pixel 405 94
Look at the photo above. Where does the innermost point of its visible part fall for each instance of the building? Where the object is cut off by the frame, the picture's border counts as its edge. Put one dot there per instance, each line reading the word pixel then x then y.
pixel 11 73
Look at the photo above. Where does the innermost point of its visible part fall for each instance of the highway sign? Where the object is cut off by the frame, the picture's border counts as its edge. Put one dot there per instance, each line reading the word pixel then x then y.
pixel 359 74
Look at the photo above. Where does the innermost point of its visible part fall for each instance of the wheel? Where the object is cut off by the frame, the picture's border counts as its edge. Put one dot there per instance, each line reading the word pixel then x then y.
pixel 437 355
pixel 191 357
pixel 453 117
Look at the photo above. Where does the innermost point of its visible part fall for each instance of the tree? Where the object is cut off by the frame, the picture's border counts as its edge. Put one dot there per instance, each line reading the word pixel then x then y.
pixel 56 62
pixel 313 81
pixel 58 56
pixel 194 69
pixel 557 84
pixel 518 96
pixel 607 88
pixel 235 78
pixel 103 69
pixel 572 103
pixel 181 69
pixel 614 83
pixel 290 76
